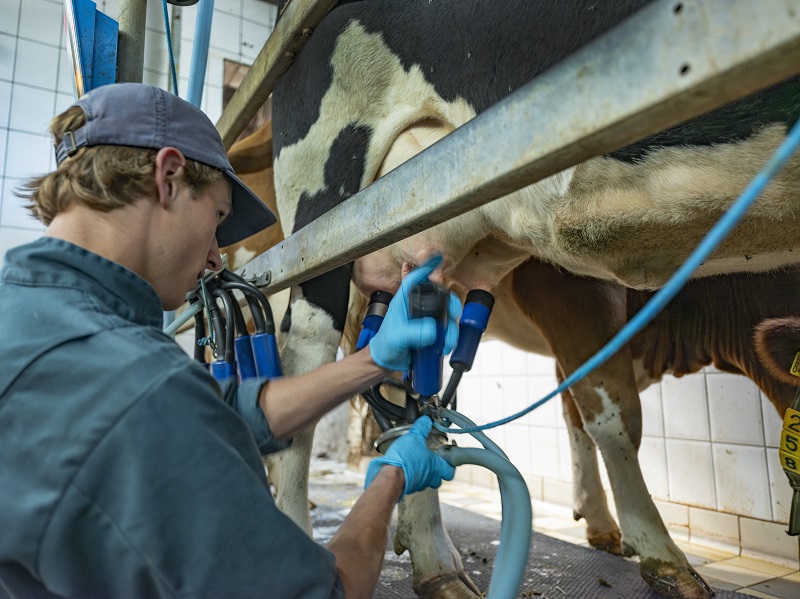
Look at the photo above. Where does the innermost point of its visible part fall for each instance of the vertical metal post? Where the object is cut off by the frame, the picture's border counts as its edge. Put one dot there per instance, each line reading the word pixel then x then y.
pixel 131 16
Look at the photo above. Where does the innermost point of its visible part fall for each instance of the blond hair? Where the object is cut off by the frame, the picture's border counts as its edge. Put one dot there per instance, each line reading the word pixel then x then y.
pixel 103 177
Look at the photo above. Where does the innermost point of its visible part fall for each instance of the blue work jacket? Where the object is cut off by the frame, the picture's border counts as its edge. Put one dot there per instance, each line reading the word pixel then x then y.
pixel 122 471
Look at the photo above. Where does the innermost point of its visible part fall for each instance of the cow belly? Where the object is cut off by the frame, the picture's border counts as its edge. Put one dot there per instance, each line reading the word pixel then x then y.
pixel 637 222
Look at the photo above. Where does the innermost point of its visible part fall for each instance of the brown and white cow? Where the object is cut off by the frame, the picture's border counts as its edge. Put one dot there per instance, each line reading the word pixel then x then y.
pixel 710 321
pixel 380 81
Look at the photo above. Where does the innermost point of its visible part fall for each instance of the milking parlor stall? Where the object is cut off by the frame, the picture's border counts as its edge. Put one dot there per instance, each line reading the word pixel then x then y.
pixel 568 160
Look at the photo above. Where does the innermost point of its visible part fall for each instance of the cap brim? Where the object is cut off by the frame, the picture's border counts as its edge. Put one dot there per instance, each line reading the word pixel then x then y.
pixel 250 215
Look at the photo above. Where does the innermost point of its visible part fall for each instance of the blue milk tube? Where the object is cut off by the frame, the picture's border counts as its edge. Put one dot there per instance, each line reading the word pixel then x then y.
pixel 222 371
pixel 428 299
pixel 267 358
pixel 376 311
pixel 477 309
pixel 244 357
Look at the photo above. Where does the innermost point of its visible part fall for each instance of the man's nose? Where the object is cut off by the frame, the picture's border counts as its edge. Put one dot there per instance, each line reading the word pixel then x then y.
pixel 214 260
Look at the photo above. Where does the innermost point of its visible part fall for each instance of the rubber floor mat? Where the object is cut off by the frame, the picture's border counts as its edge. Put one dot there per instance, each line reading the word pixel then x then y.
pixel 556 569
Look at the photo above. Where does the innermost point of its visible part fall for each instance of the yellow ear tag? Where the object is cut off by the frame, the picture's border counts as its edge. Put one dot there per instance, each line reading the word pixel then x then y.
pixel 795 369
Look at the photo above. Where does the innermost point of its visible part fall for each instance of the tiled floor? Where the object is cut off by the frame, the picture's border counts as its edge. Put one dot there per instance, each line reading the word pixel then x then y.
pixel 720 569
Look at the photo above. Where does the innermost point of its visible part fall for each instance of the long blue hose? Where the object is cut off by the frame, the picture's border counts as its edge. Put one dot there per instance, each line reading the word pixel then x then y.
pixel 516 527
pixel 715 236
pixel 169 49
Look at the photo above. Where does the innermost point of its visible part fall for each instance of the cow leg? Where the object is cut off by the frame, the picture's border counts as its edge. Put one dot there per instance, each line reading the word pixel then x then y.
pixel 311 331
pixel 577 316
pixel 588 497
pixel 438 571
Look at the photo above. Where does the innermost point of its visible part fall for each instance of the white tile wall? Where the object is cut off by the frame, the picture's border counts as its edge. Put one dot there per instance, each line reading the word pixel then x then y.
pixel 733 400
pixel 3 145
pixel 29 154
pixel 685 407
pixel 13 213
pixel 8 52
pixel 31 109
pixel 36 64
pixel 5 103
pixel 714 528
pixel 780 493
pixel 40 20
pixel 652 411
pixel 653 461
pixel 9 16
pixel 739 470
pixel 707 448
pixel 36 81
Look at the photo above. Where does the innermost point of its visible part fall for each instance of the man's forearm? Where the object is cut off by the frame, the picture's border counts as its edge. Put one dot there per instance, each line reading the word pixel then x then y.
pixel 360 542
pixel 291 404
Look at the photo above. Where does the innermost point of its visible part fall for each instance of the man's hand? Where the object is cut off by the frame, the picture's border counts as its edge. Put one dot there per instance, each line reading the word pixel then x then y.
pixel 422 467
pixel 399 334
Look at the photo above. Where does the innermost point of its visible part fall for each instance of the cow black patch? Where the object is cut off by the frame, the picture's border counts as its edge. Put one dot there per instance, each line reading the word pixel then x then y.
pixel 331 293
pixel 343 172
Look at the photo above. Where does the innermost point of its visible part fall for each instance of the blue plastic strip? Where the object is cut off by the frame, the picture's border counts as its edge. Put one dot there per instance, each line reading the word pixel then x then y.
pixel 85 11
pixel 244 357
pixel 202 37
pixel 715 236
pixel 106 36
pixel 265 352
pixel 473 323
pixel 223 371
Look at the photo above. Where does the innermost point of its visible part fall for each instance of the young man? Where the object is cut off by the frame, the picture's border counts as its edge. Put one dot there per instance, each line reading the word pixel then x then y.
pixel 123 472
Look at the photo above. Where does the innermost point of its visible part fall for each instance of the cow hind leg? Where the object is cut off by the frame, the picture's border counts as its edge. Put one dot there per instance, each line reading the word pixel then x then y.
pixel 576 316
pixel 589 498
pixel 662 564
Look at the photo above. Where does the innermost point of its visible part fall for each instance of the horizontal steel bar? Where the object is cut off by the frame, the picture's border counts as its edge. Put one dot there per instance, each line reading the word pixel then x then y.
pixel 298 20
pixel 660 68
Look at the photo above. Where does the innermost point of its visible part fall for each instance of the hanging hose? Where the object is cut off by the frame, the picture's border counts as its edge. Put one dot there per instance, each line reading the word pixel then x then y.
pixel 234 281
pixel 256 311
pixel 516 527
pixel 199 332
pixel 230 331
pixel 216 323
pixel 238 317
pixel 245 360
pixel 169 50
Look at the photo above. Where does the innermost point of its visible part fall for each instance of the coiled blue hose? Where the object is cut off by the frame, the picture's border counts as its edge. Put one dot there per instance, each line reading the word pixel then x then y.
pixel 516 527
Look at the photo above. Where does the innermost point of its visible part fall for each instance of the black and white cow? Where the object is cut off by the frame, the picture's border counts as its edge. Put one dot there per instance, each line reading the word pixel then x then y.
pixel 381 80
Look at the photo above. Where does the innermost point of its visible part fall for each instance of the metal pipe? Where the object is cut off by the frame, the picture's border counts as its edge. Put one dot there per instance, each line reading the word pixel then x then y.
pixel 202 38
pixel 734 48
pixel 177 32
pixel 131 15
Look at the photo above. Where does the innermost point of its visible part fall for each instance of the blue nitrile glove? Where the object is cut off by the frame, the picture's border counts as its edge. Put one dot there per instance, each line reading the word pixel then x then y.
pixel 422 467
pixel 399 334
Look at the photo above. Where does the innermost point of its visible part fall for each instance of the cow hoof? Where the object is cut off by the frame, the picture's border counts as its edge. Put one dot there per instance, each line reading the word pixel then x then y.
pixel 605 541
pixel 454 585
pixel 670 580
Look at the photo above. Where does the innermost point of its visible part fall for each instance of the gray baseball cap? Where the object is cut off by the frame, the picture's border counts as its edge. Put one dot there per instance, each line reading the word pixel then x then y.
pixel 144 116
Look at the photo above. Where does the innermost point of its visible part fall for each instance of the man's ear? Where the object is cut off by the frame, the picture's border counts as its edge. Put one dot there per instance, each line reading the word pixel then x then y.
pixel 169 166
